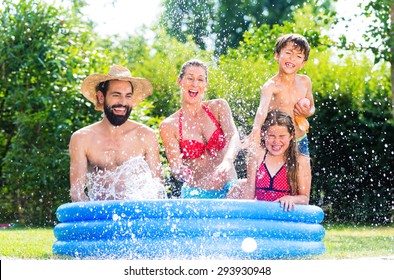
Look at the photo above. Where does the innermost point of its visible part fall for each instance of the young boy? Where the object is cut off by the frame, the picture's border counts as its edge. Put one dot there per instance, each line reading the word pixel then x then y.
pixel 284 90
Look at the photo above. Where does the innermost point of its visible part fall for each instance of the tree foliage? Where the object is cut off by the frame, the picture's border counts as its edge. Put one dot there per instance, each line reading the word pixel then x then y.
pixel 41 64
pixel 225 22
pixel 49 50
pixel 379 36
pixel 184 18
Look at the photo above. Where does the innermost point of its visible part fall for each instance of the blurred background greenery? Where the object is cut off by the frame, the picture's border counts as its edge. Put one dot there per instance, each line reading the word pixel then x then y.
pixel 46 51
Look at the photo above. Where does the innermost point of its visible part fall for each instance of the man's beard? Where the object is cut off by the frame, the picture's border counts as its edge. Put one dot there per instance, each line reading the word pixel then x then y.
pixel 116 120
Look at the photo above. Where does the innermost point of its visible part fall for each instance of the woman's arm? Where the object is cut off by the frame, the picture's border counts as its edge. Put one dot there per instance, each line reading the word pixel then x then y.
pixel 152 152
pixel 227 124
pixel 226 121
pixel 168 130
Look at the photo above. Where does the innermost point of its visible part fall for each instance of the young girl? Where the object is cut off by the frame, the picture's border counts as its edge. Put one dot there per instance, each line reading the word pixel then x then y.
pixel 275 170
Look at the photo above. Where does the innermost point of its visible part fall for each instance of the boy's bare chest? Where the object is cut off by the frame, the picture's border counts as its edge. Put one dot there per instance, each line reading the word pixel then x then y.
pixel 285 97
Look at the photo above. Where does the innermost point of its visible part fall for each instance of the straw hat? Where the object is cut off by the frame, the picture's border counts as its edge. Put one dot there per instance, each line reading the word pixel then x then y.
pixel 141 87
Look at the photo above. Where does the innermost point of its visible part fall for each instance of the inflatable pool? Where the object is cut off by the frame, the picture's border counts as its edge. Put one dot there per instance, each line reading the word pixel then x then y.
pixel 187 229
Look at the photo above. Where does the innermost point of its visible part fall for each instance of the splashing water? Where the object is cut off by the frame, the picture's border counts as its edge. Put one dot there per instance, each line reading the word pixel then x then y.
pixel 130 181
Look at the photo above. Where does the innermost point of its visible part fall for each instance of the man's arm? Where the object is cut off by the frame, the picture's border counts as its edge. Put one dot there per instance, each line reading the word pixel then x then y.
pixel 78 168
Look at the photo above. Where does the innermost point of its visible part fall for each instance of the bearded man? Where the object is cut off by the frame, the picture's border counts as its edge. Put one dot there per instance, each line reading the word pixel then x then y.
pixel 115 158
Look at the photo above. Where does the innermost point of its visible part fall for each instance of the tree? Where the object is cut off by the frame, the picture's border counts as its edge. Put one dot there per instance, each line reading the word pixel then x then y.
pixel 234 18
pixel 42 62
pixel 379 36
pixel 225 22
pixel 183 18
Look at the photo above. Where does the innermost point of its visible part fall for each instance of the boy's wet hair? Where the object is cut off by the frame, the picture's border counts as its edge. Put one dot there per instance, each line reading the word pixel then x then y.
pixel 297 39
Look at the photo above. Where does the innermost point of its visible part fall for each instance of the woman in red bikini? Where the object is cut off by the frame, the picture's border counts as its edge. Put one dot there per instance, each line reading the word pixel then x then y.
pixel 276 171
pixel 200 139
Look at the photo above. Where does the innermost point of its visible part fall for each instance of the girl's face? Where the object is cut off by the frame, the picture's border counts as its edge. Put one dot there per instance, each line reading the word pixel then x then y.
pixel 277 140
pixel 193 84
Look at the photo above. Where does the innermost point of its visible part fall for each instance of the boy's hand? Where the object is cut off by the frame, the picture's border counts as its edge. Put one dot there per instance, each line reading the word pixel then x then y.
pixel 302 108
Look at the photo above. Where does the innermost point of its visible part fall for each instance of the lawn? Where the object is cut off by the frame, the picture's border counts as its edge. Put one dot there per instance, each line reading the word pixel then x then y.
pixel 349 242
pixel 341 242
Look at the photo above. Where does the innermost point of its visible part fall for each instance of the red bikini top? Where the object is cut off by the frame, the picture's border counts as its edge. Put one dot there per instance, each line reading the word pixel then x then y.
pixel 193 149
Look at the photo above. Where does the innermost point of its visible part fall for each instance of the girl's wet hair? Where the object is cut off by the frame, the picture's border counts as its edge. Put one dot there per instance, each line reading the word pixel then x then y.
pixel 193 62
pixel 298 40
pixel 276 117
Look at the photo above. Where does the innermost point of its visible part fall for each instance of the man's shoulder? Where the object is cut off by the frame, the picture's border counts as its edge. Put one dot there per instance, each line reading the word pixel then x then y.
pixel 85 131
pixel 84 135
pixel 140 127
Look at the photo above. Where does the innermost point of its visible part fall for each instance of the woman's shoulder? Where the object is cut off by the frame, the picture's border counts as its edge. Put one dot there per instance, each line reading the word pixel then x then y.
pixel 216 101
pixel 216 105
pixel 170 121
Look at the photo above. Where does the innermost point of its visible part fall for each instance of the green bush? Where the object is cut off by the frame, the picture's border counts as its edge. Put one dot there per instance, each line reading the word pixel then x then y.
pixel 48 51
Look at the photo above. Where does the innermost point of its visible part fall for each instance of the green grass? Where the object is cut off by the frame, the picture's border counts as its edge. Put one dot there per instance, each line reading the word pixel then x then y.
pixel 342 242
pixel 26 243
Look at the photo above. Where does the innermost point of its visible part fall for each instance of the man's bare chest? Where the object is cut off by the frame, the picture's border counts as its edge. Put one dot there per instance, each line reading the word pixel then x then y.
pixel 107 155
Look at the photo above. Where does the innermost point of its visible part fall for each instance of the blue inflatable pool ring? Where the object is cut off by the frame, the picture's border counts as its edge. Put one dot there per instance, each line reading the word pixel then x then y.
pixel 187 229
